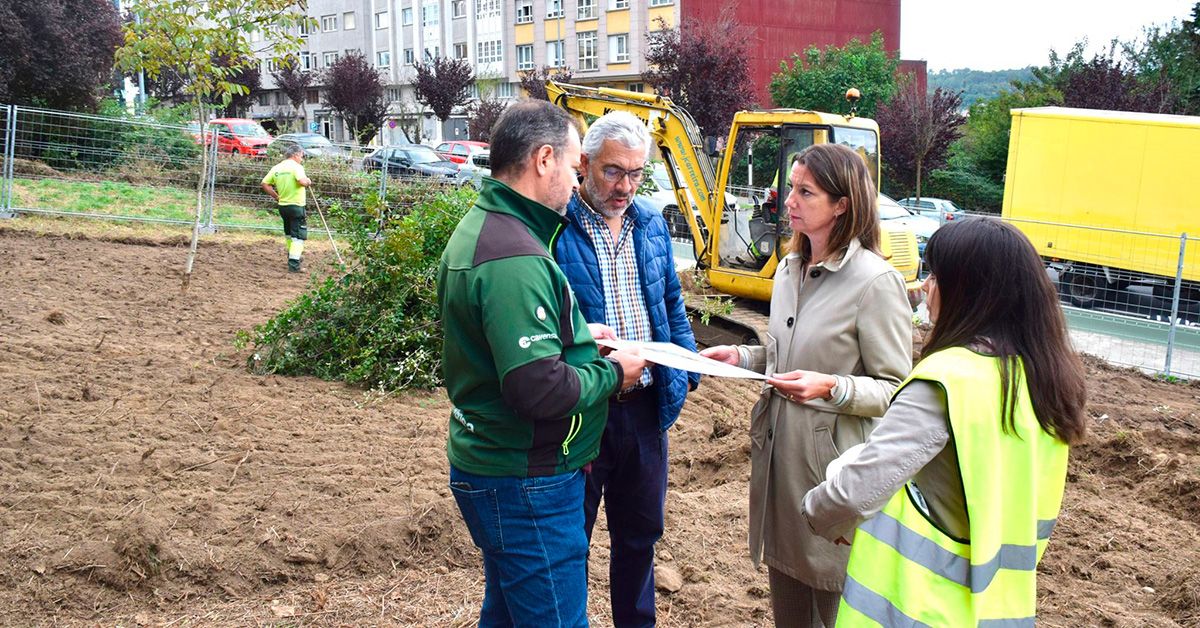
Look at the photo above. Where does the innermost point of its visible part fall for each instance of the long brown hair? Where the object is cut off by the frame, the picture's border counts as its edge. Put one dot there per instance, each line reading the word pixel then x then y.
pixel 993 289
pixel 841 173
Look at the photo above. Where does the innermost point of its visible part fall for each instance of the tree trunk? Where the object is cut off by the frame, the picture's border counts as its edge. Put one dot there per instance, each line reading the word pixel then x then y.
pixel 918 194
pixel 205 138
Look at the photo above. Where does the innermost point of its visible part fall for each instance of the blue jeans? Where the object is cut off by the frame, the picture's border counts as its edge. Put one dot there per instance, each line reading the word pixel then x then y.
pixel 530 531
pixel 630 474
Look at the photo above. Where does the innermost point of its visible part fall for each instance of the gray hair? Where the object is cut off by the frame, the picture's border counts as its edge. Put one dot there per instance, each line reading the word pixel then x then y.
pixel 291 150
pixel 620 126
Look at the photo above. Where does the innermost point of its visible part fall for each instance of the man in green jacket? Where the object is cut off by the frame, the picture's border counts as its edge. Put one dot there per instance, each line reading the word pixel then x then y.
pixel 529 387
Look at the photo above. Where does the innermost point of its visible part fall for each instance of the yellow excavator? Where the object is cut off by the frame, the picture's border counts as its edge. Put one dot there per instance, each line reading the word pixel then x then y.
pixel 734 215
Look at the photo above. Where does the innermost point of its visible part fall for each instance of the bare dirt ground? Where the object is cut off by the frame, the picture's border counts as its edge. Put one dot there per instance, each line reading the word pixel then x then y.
pixel 149 479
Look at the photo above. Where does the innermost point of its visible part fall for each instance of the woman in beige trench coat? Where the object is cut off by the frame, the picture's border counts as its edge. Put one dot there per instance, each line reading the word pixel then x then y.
pixel 839 343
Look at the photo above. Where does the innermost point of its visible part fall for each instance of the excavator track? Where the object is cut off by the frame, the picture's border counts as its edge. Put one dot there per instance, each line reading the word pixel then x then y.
pixel 745 325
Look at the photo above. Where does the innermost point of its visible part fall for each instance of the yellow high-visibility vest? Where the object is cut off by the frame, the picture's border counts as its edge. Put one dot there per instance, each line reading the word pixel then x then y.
pixel 904 571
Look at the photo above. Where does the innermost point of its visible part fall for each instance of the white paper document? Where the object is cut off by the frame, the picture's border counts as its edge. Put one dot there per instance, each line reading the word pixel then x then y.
pixel 676 357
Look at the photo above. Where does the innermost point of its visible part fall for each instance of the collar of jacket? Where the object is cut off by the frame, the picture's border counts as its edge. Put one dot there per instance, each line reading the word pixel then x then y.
pixel 831 265
pixel 496 196
pixel 578 209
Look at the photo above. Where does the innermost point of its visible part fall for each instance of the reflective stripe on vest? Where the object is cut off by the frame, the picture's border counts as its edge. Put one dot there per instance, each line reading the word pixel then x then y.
pixel 904 571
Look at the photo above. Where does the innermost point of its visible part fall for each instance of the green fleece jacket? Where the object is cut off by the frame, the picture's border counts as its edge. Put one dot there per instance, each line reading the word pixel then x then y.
pixel 529 388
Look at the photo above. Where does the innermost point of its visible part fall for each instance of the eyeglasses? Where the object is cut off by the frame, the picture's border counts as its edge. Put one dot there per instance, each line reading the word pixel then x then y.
pixel 613 174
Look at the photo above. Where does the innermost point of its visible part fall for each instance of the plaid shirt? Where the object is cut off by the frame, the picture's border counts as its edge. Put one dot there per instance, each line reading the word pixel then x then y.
pixel 624 303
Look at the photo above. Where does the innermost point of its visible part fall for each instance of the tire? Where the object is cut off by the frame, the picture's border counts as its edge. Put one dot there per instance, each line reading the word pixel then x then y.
pixel 1082 289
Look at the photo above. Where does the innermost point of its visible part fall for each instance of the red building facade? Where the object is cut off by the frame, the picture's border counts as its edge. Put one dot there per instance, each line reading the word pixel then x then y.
pixel 782 28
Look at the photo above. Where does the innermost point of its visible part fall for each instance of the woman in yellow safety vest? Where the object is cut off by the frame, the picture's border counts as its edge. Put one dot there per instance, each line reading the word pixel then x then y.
pixel 950 502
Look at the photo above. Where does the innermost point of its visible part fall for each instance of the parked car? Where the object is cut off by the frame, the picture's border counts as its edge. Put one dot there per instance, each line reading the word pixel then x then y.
pixel 476 168
pixel 315 145
pixel 412 160
pixel 938 209
pixel 896 214
pixel 239 136
pixel 459 151
pixel 656 192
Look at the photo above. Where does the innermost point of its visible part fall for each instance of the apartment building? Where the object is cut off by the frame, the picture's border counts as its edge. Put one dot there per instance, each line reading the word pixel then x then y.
pixel 602 41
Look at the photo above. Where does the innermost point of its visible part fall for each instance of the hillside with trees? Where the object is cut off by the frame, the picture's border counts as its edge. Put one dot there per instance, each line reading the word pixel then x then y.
pixel 976 85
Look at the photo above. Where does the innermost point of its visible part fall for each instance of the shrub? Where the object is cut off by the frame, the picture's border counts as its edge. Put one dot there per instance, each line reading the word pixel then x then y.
pixel 378 325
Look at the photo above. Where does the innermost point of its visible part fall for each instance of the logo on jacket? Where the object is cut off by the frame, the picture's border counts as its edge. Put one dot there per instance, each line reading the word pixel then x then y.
pixel 526 341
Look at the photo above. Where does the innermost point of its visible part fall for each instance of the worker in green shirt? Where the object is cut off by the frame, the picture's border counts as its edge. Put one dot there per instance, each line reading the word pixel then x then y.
pixel 285 183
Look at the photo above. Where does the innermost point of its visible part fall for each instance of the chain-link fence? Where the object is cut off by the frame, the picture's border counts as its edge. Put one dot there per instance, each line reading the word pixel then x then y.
pixel 1131 298
pixel 65 163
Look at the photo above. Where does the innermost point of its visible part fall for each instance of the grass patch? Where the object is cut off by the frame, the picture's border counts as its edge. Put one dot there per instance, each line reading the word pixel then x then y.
pixel 117 198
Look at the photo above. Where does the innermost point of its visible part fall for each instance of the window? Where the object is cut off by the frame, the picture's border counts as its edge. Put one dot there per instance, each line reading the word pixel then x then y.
pixel 305 26
pixel 281 98
pixel 460 51
pixel 524 11
pixel 432 53
pixel 661 3
pixel 272 65
pixel 408 56
pixel 554 9
pixel 406 17
pixel 430 14
pixel 614 5
pixel 488 51
pixel 312 96
pixel 458 8
pixel 487 8
pixel 308 61
pixel 328 23
pixel 329 58
pixel 506 90
pixel 554 54
pixel 587 10
pixel 383 58
pixel 381 20
pixel 256 36
pixel 587 51
pixel 636 87
pixel 264 99
pixel 394 94
pixel 525 57
pixel 348 23
pixel 618 48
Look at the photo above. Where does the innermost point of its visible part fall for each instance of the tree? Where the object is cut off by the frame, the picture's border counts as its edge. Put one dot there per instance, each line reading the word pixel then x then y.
pixel 818 79
pixel 247 74
pixel 916 130
pixel 191 38
pixel 703 67
pixel 442 84
pixel 355 92
pixel 294 84
pixel 57 53
pixel 534 81
pixel 483 114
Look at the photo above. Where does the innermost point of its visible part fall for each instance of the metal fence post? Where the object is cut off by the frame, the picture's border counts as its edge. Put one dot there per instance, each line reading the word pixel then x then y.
pixel 1175 303
pixel 209 228
pixel 10 153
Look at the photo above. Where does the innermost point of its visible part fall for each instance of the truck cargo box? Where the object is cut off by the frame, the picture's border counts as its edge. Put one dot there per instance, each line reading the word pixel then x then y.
pixel 1110 173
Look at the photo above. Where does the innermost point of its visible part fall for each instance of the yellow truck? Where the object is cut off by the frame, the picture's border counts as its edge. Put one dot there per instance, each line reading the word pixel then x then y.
pixel 1105 197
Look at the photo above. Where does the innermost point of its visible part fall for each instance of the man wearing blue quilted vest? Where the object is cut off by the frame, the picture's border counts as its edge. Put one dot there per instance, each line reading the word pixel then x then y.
pixel 617 257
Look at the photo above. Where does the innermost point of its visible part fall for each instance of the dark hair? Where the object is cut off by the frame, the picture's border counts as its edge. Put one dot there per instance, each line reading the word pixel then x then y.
pixel 842 173
pixel 524 128
pixel 993 289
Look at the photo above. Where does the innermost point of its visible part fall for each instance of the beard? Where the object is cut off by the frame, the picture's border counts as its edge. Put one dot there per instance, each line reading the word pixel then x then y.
pixel 599 203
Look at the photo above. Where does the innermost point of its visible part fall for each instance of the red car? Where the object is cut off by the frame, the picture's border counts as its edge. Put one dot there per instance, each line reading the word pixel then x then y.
pixel 239 136
pixel 459 152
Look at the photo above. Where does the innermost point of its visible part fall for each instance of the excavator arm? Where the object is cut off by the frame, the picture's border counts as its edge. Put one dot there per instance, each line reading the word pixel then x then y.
pixel 678 139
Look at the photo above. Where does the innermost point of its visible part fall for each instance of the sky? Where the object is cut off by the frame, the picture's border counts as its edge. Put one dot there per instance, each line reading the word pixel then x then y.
pixel 952 34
